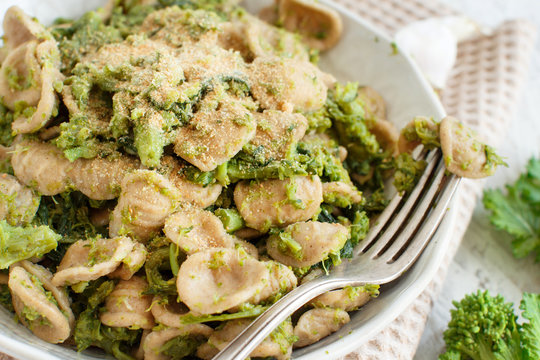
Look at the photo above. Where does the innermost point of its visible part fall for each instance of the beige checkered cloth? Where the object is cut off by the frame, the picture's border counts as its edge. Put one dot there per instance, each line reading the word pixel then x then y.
pixel 482 91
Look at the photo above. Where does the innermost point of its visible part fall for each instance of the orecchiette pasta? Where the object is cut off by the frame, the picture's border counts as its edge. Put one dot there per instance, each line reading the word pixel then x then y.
pixel 146 200
pixel 41 306
pixel 345 192
pixel 387 135
pixel 374 105
pixel 100 178
pixel 464 155
pixel 168 311
pixel 281 280
pixel 214 280
pixel 348 299
pixel 88 260
pixel 127 306
pixel 203 62
pixel 47 54
pixel 153 343
pixel 23 64
pixel 172 26
pixel 278 132
pixel 191 193
pixel 195 230
pixel 278 202
pixel 20 28
pixel 216 133
pixel 132 263
pixel 288 84
pixel 32 163
pixel 316 240
pixel 253 38
pixel 278 347
pixel 319 26
pixel 318 323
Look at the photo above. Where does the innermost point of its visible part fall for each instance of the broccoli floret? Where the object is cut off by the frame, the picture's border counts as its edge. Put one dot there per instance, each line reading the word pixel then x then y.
pixel 83 36
pixel 19 243
pixel 347 113
pixel 408 172
pixel 483 327
pixel 423 130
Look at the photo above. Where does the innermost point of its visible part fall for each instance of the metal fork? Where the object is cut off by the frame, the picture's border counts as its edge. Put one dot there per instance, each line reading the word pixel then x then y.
pixel 390 248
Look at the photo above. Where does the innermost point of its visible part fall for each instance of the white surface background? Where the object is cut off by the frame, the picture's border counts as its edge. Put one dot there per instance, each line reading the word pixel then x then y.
pixel 484 259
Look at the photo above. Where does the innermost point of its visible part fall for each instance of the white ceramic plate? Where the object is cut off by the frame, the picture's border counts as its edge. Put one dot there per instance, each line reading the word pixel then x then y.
pixel 364 54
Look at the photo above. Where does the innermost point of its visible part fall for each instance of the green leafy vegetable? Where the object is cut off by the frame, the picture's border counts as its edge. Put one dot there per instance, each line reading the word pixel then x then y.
pixel 20 243
pixel 181 346
pixel 359 230
pixel 5 297
pixel 407 172
pixel 492 160
pixel 6 133
pixel 530 331
pixel 247 311
pixel 89 331
pixel 483 327
pixel 69 215
pixel 347 114
pixel 157 265
pixel 518 211
pixel 83 36
pixel 423 130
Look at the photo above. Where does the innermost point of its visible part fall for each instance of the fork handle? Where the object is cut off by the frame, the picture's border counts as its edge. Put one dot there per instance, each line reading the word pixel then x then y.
pixel 258 330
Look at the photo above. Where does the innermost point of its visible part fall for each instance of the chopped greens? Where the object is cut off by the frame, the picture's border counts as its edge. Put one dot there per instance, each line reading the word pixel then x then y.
pixel 517 211
pixel 247 312
pixel 181 346
pixel 20 243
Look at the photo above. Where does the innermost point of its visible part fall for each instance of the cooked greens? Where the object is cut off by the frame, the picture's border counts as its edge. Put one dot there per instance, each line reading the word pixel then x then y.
pixel 20 243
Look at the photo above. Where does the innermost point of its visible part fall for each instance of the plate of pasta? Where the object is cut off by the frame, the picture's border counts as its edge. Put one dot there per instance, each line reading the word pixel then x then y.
pixel 172 168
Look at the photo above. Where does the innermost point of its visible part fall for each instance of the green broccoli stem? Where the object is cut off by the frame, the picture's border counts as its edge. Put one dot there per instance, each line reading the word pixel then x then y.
pixel 149 142
pixel 231 219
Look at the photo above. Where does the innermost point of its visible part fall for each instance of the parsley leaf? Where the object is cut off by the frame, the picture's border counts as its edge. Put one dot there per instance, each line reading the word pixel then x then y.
pixel 518 211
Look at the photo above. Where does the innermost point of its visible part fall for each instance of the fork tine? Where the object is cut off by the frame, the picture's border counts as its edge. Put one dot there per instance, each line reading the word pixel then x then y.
pixel 385 218
pixel 406 256
pixel 399 217
pixel 417 215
